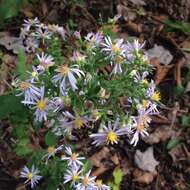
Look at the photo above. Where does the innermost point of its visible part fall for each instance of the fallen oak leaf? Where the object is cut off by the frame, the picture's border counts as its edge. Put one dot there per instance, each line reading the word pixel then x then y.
pixel 161 134
pixel 97 157
pixel 145 160
pixel 143 177
pixel 161 71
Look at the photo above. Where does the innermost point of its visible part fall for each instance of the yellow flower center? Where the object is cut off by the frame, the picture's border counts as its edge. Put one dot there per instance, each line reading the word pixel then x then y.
pixel 140 127
pixel 115 48
pixel 145 81
pixel 41 105
pixel 24 85
pixel 99 183
pixel 74 156
pixel 51 149
pixel 111 137
pixel 30 176
pixel 145 103
pixel 78 122
pixel 156 96
pixel 75 177
pixel 34 74
pixel 64 69
pixel 119 59
pixel 85 181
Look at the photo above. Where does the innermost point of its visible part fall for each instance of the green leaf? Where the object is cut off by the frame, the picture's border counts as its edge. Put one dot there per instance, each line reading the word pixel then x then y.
pixel 50 139
pixel 23 151
pixel 172 143
pixel 118 175
pixel 185 121
pixel 21 65
pixel 178 25
pixel 87 166
pixel 10 8
pixel 11 104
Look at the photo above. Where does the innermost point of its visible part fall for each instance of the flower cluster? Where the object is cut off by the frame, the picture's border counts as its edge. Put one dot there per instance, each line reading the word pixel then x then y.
pixel 95 83
pixel 74 174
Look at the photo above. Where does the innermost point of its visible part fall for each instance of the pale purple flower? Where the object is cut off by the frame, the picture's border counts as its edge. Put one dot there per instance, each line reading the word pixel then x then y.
pixel 51 151
pixel 141 77
pixel 43 34
pixel 72 175
pixel 77 34
pixel 57 104
pixel 41 104
pixel 69 122
pixel 66 77
pixel 134 46
pixel 87 182
pixel 30 22
pixel 101 186
pixel 45 60
pixel 77 57
pixel 113 48
pixel 33 74
pixel 141 122
pixel 73 159
pixel 110 134
pixel 27 89
pixel 60 30
pixel 31 176
pixel 94 39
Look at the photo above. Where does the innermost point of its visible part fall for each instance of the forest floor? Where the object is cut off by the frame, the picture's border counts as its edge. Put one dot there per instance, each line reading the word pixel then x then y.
pixel 168 47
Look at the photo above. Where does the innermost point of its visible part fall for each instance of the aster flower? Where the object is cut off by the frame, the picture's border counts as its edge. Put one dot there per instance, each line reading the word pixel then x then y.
pixel 134 46
pixel 30 22
pixel 57 104
pixel 113 48
pixel 141 122
pixel 67 77
pixel 87 182
pixel 118 60
pixel 43 34
pixel 32 176
pixel 60 30
pixel 77 34
pixel 70 121
pixel 73 159
pixel 72 175
pixel 152 93
pixel 51 151
pixel 77 56
pixel 45 60
pixel 33 74
pixel 141 77
pixel 41 104
pixel 27 89
pixel 94 39
pixel 110 134
pixel 101 186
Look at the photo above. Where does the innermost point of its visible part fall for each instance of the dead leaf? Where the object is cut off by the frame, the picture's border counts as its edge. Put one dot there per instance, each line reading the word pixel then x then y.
pixel 161 134
pixel 97 157
pixel 178 66
pixel 138 2
pixel 179 153
pixel 145 160
pixel 11 43
pixel 161 70
pixel 165 57
pixel 143 177
pixel 127 13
